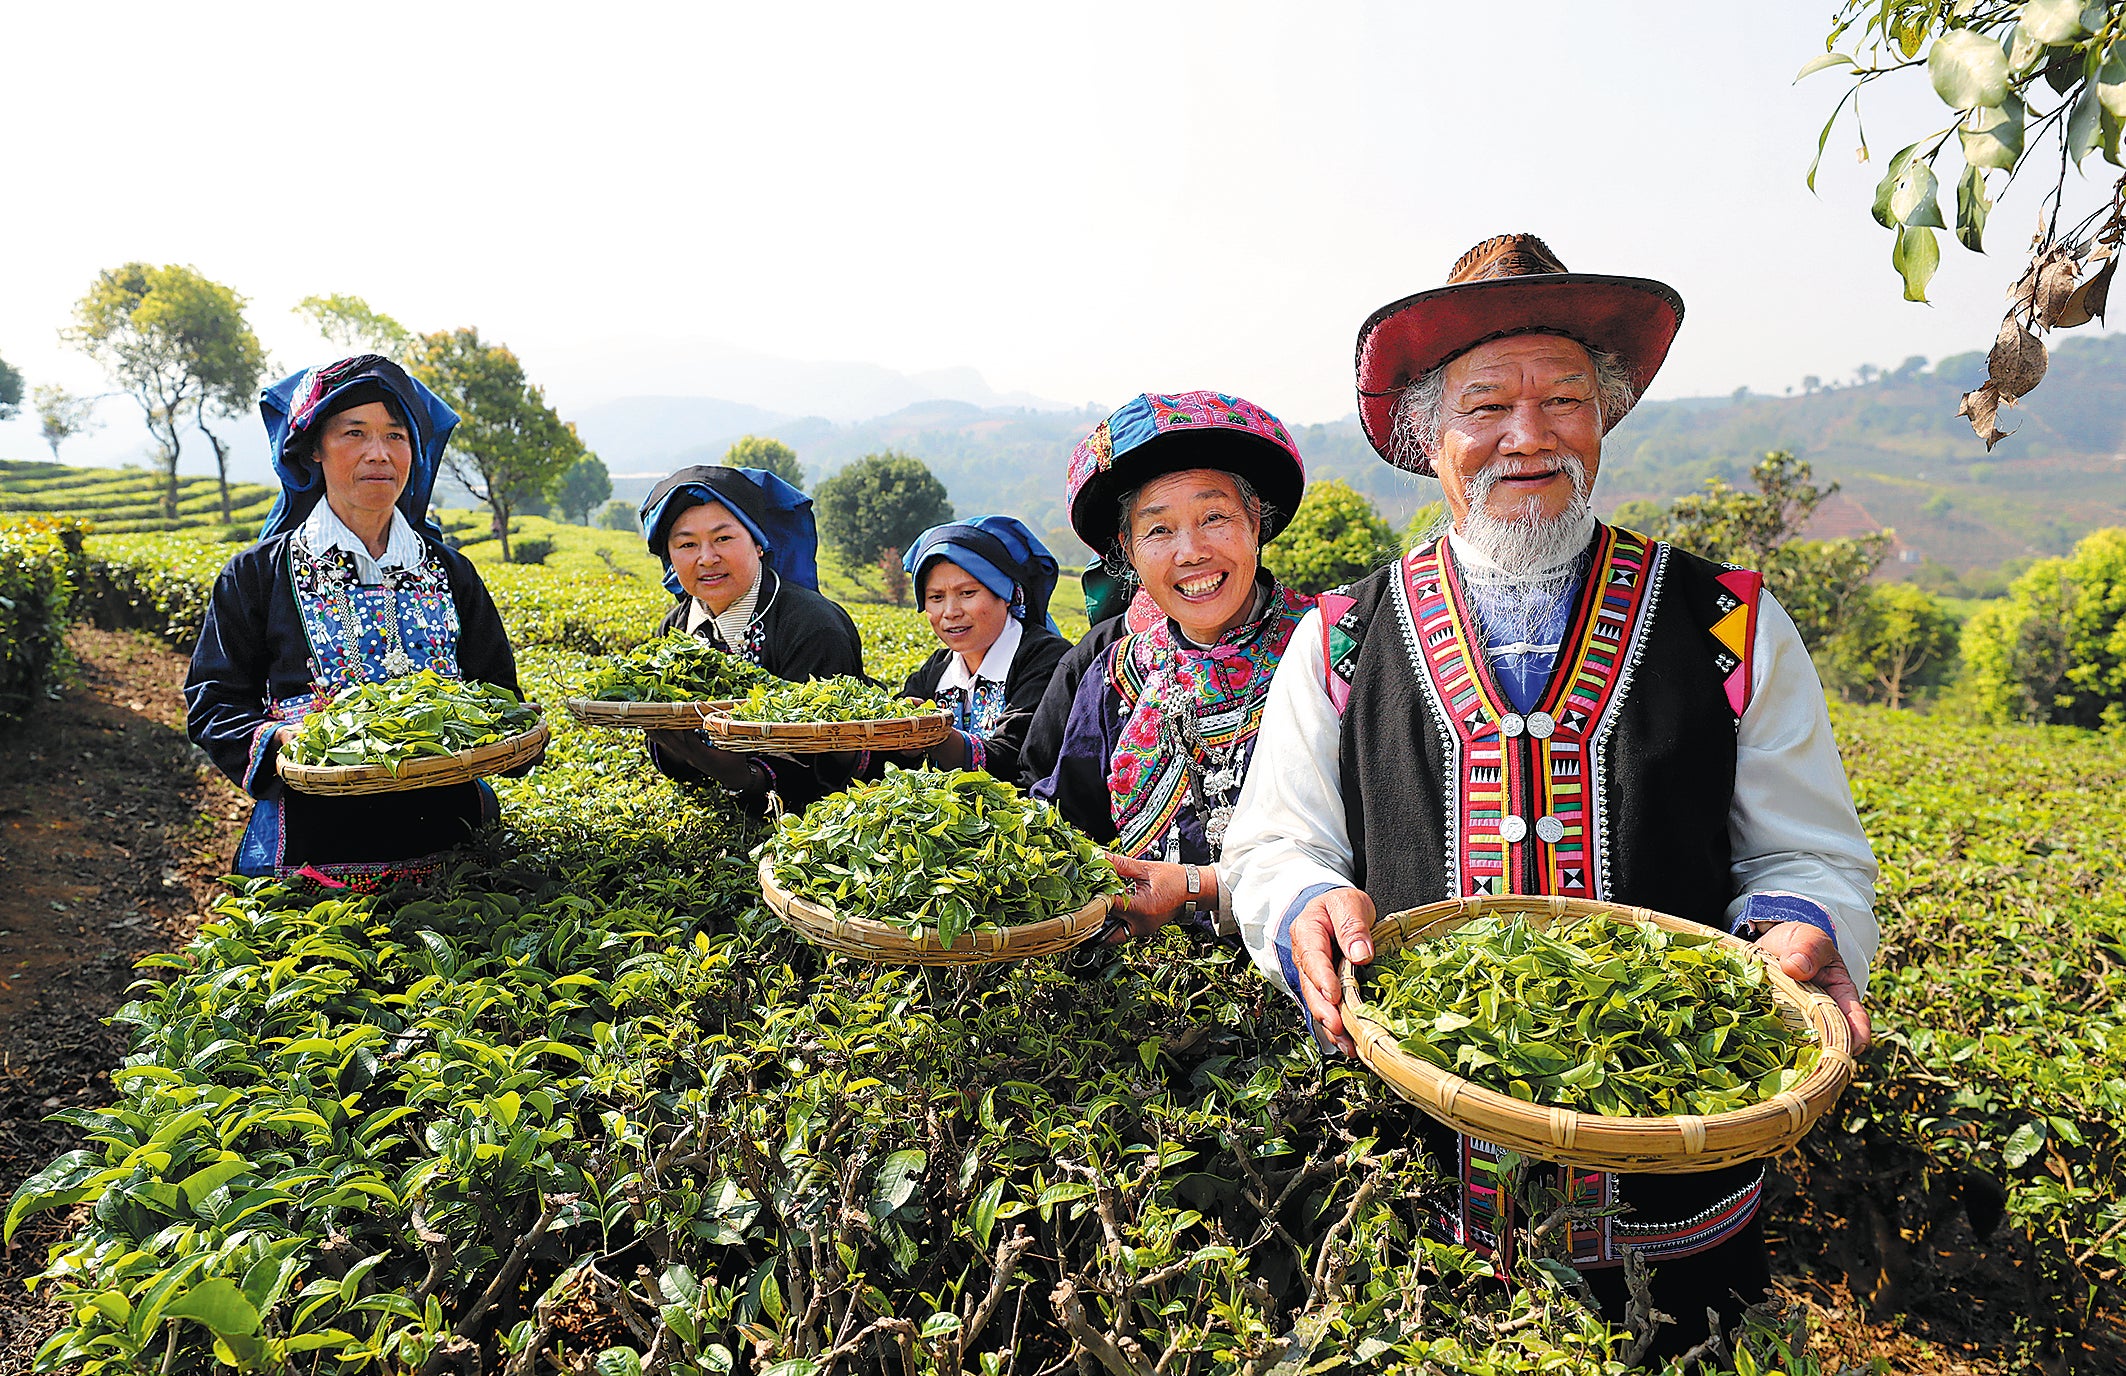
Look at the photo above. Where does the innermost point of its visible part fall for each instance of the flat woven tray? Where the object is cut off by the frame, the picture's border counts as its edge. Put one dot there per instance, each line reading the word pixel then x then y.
pixel 818 738
pixel 876 941
pixel 643 716
pixel 1653 1146
pixel 431 771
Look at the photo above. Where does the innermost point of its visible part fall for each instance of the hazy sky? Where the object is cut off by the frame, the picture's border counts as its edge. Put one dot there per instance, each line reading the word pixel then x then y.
pixel 1081 201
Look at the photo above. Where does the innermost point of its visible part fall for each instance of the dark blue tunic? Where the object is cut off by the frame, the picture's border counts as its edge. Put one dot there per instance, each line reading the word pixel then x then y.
pixel 284 626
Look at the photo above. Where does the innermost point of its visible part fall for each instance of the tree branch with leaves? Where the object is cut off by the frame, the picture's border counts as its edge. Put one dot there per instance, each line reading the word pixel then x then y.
pixel 510 446
pixel 2037 84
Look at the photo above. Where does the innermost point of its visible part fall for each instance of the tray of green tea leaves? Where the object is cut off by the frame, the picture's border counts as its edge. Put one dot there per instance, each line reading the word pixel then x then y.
pixel 419 731
pixel 666 684
pixel 828 714
pixel 937 867
pixel 1610 1037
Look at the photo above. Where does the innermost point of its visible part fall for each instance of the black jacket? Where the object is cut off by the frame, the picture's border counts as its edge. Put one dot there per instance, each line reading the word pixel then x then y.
pixel 796 635
pixel 1001 748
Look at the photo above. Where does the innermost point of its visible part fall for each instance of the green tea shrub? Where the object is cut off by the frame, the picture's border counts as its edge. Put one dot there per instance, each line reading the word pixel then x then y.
pixel 36 595
pixel 531 550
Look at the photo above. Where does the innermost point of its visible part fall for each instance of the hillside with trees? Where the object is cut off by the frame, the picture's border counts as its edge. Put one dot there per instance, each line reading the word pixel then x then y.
pixel 1891 438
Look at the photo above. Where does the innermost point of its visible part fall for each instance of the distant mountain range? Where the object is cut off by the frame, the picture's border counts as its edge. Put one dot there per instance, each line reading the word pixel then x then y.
pixel 1902 455
pixel 1904 458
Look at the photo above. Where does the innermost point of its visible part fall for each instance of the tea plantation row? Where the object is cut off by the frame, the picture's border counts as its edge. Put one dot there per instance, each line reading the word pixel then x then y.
pixel 584 1098
pixel 125 499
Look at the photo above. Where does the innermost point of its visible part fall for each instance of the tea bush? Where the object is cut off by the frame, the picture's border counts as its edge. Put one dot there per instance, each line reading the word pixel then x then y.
pixel 583 1099
pixel 37 582
pixel 1999 1082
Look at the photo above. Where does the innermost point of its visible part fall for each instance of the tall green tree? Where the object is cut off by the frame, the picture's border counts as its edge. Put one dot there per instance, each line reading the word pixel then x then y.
pixel 1335 536
pixel 1815 580
pixel 880 502
pixel 2038 86
pixel 1895 640
pixel 2054 649
pixel 228 362
pixel 172 339
pixel 62 415
pixel 509 445
pixel 10 390
pixel 778 458
pixel 350 323
pixel 583 486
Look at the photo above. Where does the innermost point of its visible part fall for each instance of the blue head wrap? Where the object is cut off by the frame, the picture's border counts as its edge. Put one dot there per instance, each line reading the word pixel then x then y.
pixel 293 407
pixel 777 515
pixel 1001 554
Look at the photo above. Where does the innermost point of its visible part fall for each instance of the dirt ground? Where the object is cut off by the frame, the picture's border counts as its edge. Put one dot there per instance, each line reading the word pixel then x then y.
pixel 114 831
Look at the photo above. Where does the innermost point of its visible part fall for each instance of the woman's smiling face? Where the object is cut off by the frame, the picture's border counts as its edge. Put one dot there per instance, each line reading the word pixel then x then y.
pixel 1195 544
pixel 966 616
pixel 716 557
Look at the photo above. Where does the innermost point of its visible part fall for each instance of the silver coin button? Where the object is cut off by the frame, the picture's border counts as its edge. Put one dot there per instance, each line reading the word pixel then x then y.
pixel 1512 725
pixel 1550 829
pixel 1513 829
pixel 1541 724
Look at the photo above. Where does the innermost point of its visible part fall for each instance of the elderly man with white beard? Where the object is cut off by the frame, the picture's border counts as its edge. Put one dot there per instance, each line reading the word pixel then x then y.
pixel 1534 702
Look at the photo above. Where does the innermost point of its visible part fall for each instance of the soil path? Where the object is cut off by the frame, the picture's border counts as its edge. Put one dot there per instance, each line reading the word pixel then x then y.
pixel 113 831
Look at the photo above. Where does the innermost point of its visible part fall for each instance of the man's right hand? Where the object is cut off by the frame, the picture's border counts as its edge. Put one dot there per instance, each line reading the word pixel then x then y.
pixel 1340 920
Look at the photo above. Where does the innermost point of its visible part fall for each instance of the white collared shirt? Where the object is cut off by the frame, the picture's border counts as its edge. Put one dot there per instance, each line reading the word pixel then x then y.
pixel 996 664
pixel 732 621
pixel 323 530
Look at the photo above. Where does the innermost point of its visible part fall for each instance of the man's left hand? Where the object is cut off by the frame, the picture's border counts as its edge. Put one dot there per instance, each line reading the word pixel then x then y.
pixel 1807 955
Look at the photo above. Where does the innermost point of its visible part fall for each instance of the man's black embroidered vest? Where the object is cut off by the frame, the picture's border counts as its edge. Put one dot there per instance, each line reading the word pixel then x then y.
pixel 1615 788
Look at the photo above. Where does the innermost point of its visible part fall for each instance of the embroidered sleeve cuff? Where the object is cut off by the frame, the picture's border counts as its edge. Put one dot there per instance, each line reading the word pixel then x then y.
pixel 977 750
pixel 1285 961
pixel 1762 910
pixel 260 776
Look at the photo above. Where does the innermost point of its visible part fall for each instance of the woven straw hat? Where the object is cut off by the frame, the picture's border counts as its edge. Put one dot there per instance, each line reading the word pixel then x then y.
pixel 1510 284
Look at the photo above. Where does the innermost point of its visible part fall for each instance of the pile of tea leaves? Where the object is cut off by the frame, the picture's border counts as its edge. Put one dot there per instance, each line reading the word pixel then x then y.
pixel 404 719
pixel 824 700
pixel 1604 1015
pixel 675 668
pixel 947 850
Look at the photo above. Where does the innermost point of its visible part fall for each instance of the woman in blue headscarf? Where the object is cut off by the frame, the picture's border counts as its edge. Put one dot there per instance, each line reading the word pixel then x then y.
pixel 740 554
pixel 985 584
pixel 349 583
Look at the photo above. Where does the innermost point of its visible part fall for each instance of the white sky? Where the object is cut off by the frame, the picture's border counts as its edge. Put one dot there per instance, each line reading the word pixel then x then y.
pixel 1082 201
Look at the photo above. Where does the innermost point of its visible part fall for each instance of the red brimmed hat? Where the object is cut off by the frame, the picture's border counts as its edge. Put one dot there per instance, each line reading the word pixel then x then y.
pixel 1508 285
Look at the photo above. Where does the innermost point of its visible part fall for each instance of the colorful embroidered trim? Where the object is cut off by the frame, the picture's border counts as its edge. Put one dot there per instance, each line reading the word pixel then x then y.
pixel 1735 633
pixel 1229 684
pixel 1495 841
pixel 365 634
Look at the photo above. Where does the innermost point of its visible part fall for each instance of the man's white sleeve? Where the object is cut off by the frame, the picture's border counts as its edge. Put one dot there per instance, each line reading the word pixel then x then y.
pixel 1795 835
pixel 1289 840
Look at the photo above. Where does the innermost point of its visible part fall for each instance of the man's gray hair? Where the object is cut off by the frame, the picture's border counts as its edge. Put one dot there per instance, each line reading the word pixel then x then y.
pixel 1421 409
pixel 1115 558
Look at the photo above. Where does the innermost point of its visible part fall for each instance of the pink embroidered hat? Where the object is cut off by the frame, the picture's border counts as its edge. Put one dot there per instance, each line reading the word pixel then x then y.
pixel 1158 433
pixel 1509 284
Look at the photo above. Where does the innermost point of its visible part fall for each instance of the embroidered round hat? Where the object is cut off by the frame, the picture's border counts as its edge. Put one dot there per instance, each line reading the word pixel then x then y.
pixel 1509 284
pixel 1158 433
